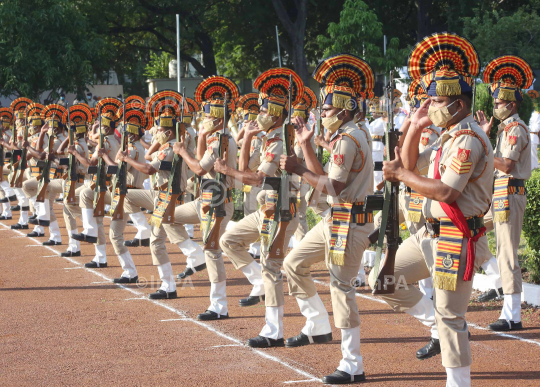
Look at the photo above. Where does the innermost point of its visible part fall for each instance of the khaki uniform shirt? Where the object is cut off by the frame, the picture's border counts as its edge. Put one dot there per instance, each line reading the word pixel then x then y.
pixel 466 165
pixel 255 152
pixel 212 154
pixel 33 143
pixel 161 178
pixel 82 148
pixel 364 129
pixel 514 143
pixel 135 178
pixel 350 163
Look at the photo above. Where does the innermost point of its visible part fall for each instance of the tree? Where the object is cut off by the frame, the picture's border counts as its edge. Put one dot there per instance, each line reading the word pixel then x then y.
pixel 495 34
pixel 360 33
pixel 47 45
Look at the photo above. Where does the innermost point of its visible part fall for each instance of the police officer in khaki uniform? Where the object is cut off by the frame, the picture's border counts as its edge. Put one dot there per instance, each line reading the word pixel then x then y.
pixel 93 228
pixel 44 211
pixel 6 192
pixel 208 151
pixel 512 169
pixel 272 85
pixel 457 193
pixel 341 237
pixel 80 115
pixel 160 151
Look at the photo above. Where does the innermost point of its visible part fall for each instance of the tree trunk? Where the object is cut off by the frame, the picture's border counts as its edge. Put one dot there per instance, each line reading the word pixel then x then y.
pixel 297 33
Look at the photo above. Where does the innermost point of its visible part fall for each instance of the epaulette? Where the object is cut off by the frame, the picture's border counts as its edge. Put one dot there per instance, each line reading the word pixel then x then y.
pixel 272 140
pixel 511 125
pixel 211 140
pixel 165 146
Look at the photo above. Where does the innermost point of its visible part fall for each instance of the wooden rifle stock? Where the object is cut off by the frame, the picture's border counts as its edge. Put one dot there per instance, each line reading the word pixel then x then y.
pixel 100 188
pixel 45 178
pixel 69 193
pixel 120 180
pixel 314 195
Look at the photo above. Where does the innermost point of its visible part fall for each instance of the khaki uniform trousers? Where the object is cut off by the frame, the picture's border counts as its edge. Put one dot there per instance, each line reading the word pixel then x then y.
pixel 191 213
pixel 235 243
pixel 30 189
pixel 86 200
pixel 507 237
pixel 302 228
pixel 73 211
pixel 415 260
pixel 250 201
pixel 314 248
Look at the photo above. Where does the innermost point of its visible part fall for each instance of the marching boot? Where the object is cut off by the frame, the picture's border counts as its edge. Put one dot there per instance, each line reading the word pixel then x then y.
pixel 100 260
pixel 195 260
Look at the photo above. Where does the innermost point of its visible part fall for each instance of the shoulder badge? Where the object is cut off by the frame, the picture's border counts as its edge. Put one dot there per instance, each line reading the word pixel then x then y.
pixel 339 159
pixel 512 140
pixel 269 157
pixel 424 140
pixel 165 146
pixel 460 163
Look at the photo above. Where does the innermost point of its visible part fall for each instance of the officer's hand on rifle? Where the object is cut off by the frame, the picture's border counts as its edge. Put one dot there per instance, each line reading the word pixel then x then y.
pixel 71 149
pixel 49 156
pixel 179 146
pixel 420 119
pixel 220 166
pixel 303 134
pixel 122 156
pixel 392 169
pixel 45 128
pixel 288 163
pixel 483 122
pixel 101 152
pixel 252 129
pixel 25 144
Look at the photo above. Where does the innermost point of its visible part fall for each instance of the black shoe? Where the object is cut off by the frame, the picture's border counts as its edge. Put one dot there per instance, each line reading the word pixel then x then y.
pixel 84 238
pixel 15 208
pixel 4 200
pixel 209 315
pixel 95 265
pixel 502 325
pixel 341 377
pixel 189 271
pixel 301 339
pixel 431 349
pixel 490 295
pixel 59 200
pixel 358 284
pixel 265 342
pixel 32 217
pixel 19 226
pixel 35 234
pixel 126 280
pixel 137 242
pixel 149 211
pixel 257 257
pixel 50 242
pixel 71 254
pixel 13 198
pixel 39 222
pixel 251 300
pixel 162 295
pixel 129 222
pixel 2 217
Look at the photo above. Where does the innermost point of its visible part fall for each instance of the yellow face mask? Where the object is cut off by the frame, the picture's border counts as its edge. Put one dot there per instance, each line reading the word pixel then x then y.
pixel 440 116
pixel 332 124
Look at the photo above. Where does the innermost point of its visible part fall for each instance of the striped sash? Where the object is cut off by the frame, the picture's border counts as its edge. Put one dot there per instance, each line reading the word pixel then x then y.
pixel 501 204
pixel 416 201
pixel 164 198
pixel 341 219
pixel 206 202
pixel 271 199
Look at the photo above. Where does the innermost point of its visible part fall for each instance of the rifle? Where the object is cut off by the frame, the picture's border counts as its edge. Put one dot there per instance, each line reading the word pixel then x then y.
pixel 100 188
pixel 164 211
pixel 16 179
pixel 314 195
pixel 1 155
pixel 219 193
pixel 14 154
pixel 473 96
pixel 45 174
pixel 381 278
pixel 120 180
pixel 282 213
pixel 72 178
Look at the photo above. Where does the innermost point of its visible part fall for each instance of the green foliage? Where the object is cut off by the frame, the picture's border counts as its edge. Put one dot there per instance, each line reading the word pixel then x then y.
pixel 158 67
pixel 48 44
pixel 312 218
pixel 531 224
pixel 359 32
pixel 238 200
pixel 498 33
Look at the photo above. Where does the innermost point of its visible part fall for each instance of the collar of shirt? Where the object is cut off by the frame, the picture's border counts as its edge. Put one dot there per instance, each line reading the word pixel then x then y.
pixel 274 133
pixel 449 133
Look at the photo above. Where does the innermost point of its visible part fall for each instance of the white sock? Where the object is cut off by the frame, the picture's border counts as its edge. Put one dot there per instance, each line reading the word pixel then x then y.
pixel 126 262
pixel 511 310
pixel 218 298
pixel 189 229
pixel 54 232
pixel 424 311
pixel 317 320
pixel 351 361
pixel 193 252
pixel 74 245
pixel 426 287
pixel 143 228
pixel 166 275
pixel 458 376
pixel 89 222
pixel 255 249
pixel 273 327
pixel 254 275
pixel 7 210
pixel 492 271
pixel 101 254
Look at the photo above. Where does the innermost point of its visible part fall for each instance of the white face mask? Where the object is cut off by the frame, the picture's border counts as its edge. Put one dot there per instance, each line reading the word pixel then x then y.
pixel 332 124
pixel 265 123
pixel 440 116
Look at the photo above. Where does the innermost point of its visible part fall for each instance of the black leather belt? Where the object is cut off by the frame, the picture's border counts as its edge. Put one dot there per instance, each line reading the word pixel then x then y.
pixel 474 223
pixel 408 189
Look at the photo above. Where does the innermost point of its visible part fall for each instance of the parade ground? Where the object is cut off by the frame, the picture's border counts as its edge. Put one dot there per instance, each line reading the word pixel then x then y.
pixel 63 324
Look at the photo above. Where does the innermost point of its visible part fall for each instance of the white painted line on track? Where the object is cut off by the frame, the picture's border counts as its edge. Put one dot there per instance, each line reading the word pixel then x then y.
pixel 173 319
pixel 228 345
pixel 472 325
pixel 183 315
pixel 302 381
